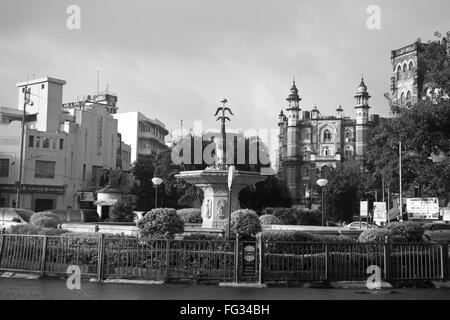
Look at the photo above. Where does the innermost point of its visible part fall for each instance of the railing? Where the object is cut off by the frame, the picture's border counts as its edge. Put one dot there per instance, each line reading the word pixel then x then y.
pixel 132 258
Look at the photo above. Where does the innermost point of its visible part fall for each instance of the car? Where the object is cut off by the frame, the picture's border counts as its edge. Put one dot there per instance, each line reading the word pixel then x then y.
pixel 435 232
pixel 360 225
pixel 13 216
pixel 75 215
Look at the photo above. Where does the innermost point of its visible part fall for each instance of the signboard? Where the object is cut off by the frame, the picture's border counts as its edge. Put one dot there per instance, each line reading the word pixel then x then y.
pixel 422 208
pixel 32 188
pixel 86 196
pixel 445 214
pixel 249 259
pixel 379 212
pixel 364 208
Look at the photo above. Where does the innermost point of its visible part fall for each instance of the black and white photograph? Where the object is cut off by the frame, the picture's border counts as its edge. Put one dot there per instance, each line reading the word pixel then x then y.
pixel 224 157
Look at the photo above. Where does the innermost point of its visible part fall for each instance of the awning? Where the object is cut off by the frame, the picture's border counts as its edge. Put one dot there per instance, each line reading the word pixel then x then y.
pixel 107 202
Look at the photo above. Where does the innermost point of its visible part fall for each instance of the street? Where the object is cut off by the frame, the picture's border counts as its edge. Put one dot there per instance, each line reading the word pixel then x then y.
pixel 51 289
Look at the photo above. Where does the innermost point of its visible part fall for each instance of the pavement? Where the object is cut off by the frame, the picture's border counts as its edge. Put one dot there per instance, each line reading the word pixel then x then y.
pixel 56 289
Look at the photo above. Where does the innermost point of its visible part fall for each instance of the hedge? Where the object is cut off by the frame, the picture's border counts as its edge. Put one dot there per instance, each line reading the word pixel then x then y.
pixel 161 223
pixel 375 235
pixel 44 219
pixel 191 215
pixel 407 231
pixel 269 219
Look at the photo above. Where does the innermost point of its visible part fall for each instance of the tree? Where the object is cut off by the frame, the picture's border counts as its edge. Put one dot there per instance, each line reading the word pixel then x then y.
pixel 143 171
pixel 122 212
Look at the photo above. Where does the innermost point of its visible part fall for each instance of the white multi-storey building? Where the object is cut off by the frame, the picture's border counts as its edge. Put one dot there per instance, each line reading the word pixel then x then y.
pixel 66 149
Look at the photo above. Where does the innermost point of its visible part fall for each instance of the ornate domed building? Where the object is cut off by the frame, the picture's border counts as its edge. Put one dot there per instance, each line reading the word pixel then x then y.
pixel 310 143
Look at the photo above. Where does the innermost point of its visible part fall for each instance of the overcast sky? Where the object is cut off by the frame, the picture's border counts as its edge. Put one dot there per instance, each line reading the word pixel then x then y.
pixel 175 60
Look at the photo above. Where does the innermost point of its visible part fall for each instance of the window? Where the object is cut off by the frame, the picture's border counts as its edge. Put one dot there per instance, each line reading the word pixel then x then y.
pixel 408 97
pixel 61 144
pixel 327 136
pixel 326 151
pixel 84 171
pixel 411 65
pixel 45 169
pixel 46 143
pixel 306 154
pixel 348 152
pixel 4 168
pixel 38 142
pixel 43 86
pixel 405 67
pixel 31 141
pixel 54 143
pixel 305 171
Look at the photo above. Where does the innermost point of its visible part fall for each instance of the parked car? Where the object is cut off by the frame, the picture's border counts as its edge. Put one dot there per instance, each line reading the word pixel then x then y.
pixel 360 225
pixel 13 216
pixel 75 215
pixel 436 232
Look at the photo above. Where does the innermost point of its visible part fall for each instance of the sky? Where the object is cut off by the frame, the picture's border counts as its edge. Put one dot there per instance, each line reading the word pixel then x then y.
pixel 176 59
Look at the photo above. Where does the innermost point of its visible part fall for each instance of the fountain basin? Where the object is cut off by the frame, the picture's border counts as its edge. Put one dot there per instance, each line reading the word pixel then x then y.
pixel 214 184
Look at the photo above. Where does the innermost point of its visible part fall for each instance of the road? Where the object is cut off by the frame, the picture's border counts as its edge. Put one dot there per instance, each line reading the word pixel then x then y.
pixel 53 289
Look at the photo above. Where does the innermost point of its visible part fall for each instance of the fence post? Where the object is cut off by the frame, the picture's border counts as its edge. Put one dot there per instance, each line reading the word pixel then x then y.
pixel 446 261
pixel 101 256
pixel 43 256
pixel 167 259
pixel 261 258
pixel 2 238
pixel 236 259
pixel 326 261
pixel 443 248
pixel 387 260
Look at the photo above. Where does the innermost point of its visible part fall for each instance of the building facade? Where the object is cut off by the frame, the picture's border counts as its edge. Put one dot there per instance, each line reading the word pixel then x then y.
pixel 310 143
pixel 145 136
pixel 66 149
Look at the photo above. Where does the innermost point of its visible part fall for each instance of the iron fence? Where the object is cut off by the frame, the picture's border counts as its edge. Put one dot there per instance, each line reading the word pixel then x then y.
pixel 133 258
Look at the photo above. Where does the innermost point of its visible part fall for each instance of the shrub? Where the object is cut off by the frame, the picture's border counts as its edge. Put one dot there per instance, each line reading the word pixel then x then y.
pixel 122 212
pixel 333 238
pixel 44 219
pixel 375 235
pixel 286 215
pixel 269 219
pixel 191 215
pixel 308 217
pixel 407 231
pixel 161 223
pixel 33 230
pixel 245 223
pixel 202 236
pixel 287 236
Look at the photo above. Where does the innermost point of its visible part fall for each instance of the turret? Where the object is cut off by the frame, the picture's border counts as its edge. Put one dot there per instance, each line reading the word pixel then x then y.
pixel 362 120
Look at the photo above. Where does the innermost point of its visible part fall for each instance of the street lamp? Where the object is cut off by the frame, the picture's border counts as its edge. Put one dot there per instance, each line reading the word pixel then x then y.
pixel 322 183
pixel 156 181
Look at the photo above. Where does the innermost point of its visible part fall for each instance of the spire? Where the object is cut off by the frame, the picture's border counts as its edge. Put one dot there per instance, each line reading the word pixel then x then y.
pixel 294 93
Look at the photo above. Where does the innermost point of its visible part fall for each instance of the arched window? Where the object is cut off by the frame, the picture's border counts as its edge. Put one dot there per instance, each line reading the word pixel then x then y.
pixel 327 135
pixel 411 65
pixel 399 69
pixel 326 152
pixel 348 152
pixel 402 99
pixel 306 153
pixel 408 98
pixel 405 67
pixel 305 171
pixel 348 135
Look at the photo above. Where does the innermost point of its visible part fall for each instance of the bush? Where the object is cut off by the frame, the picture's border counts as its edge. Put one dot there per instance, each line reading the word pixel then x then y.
pixel 245 223
pixel 308 217
pixel 333 238
pixel 286 215
pixel 202 236
pixel 407 231
pixel 33 230
pixel 191 215
pixel 375 235
pixel 287 236
pixel 122 212
pixel 269 219
pixel 44 219
pixel 161 223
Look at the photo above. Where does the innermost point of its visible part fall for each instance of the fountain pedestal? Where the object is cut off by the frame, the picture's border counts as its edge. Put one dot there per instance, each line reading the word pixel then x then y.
pixel 214 184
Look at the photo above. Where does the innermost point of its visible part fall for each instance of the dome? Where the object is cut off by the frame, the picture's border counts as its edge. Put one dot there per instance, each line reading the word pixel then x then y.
pixel 362 87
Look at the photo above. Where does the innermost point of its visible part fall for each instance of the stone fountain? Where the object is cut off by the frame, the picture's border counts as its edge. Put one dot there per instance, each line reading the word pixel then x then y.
pixel 214 181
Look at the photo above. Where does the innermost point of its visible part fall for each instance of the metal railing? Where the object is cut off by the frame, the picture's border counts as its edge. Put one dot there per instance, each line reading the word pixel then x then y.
pixel 133 258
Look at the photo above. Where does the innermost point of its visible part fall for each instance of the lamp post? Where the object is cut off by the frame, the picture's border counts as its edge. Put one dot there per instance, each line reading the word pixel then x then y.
pixel 231 175
pixel 156 181
pixel 322 183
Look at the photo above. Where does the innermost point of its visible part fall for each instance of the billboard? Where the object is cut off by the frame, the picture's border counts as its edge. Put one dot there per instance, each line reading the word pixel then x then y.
pixel 379 212
pixel 422 208
pixel 364 206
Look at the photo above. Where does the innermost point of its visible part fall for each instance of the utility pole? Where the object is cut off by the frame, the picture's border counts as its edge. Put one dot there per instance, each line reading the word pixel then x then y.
pixel 26 101
pixel 400 178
